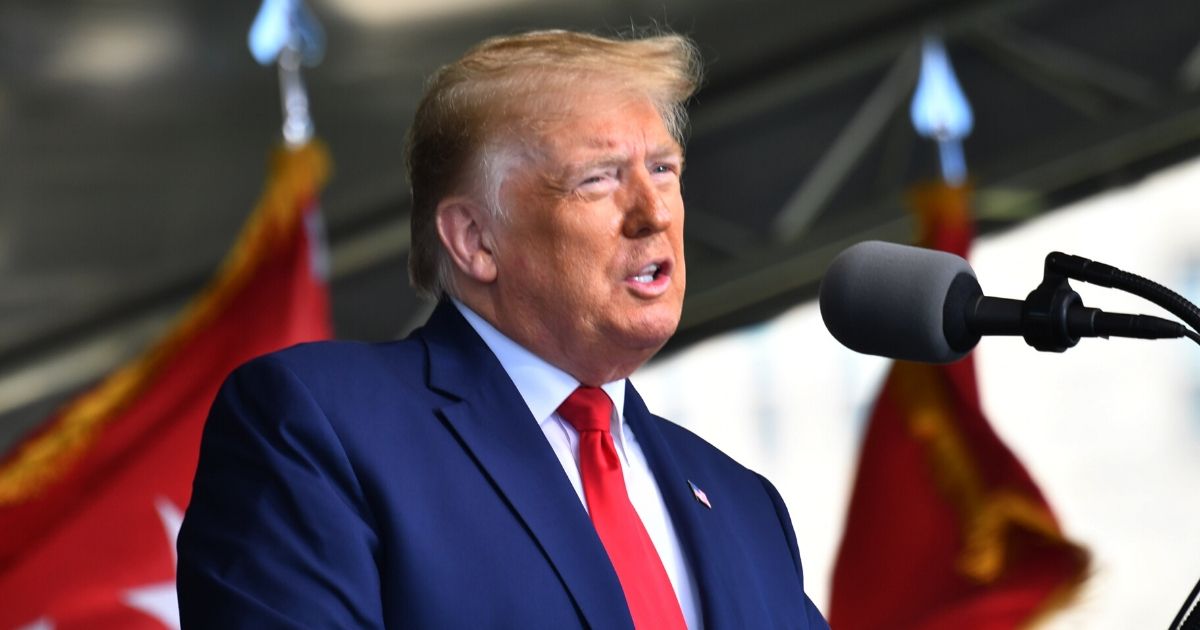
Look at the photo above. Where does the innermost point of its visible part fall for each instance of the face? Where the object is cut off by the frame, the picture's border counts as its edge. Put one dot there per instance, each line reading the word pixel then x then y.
pixel 589 262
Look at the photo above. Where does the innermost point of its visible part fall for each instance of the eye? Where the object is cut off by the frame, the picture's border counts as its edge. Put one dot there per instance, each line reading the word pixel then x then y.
pixel 598 181
pixel 662 170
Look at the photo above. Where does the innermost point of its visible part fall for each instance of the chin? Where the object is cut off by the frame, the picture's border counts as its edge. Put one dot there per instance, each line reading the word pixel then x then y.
pixel 651 330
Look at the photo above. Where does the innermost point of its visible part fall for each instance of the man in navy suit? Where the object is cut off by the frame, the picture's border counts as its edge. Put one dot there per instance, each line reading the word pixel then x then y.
pixel 445 481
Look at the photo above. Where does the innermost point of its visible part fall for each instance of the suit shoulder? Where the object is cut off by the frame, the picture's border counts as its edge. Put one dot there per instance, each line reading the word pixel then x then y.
pixel 321 353
pixel 340 360
pixel 339 372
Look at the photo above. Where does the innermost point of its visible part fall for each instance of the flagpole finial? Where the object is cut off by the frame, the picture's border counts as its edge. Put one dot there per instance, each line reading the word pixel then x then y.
pixel 286 33
pixel 940 110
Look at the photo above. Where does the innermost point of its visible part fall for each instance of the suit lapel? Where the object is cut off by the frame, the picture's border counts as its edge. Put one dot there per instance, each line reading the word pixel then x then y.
pixel 492 422
pixel 701 532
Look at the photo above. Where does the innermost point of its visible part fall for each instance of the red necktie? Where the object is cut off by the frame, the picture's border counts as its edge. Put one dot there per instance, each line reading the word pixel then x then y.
pixel 652 601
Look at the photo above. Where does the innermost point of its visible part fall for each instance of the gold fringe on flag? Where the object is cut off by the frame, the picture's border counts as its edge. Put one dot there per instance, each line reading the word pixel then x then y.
pixel 296 175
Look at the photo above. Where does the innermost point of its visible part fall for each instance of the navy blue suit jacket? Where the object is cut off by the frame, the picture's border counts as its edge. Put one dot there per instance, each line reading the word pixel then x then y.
pixel 346 485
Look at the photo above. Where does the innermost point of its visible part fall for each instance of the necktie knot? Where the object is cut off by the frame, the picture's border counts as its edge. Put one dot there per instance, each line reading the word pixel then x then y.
pixel 587 409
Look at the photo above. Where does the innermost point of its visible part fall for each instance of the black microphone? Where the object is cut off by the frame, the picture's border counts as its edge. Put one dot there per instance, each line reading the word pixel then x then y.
pixel 925 305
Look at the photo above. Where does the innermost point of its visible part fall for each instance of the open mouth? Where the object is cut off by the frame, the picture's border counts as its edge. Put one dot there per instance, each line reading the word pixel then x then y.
pixel 648 273
pixel 651 272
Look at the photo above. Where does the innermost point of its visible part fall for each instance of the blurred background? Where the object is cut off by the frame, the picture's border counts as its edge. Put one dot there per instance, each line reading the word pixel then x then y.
pixel 134 137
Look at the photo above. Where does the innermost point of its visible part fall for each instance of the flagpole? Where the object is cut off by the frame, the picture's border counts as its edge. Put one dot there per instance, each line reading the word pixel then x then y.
pixel 297 123
pixel 953 163
pixel 287 34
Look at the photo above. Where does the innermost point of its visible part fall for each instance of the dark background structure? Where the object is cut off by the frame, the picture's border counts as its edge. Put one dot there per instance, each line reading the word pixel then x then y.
pixel 134 136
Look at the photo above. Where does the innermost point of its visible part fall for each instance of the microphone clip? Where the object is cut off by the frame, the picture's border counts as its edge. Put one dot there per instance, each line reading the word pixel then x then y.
pixel 1053 317
pixel 1049 310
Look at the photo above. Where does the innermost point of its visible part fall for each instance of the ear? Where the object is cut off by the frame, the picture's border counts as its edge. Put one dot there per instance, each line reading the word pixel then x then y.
pixel 465 229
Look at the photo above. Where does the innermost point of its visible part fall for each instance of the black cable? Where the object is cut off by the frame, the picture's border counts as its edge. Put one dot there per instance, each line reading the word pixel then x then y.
pixel 1160 295
pixel 1080 268
pixel 1085 270
pixel 1186 619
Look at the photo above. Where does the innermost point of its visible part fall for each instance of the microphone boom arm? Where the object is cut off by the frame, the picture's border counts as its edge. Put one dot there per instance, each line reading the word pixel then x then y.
pixel 1053 318
pixel 1092 272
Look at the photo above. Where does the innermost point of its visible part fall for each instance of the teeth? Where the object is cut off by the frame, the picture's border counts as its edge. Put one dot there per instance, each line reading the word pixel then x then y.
pixel 646 274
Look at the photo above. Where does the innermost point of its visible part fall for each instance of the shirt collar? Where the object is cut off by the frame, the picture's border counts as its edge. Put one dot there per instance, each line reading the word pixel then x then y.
pixel 543 386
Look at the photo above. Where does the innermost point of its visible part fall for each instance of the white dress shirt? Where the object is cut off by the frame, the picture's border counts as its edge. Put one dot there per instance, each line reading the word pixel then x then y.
pixel 544 387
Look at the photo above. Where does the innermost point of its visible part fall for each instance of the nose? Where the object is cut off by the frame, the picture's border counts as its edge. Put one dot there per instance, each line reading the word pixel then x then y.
pixel 646 212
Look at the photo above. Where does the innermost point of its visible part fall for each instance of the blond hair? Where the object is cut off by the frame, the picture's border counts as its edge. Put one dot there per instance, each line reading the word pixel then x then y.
pixel 496 93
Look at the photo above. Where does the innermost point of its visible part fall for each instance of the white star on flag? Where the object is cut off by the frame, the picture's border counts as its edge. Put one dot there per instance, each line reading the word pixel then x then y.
pixel 159 600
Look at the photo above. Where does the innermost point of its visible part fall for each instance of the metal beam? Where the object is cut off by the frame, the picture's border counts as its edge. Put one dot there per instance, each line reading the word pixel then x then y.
pixel 1063 61
pixel 1075 96
pixel 1189 70
pixel 822 69
pixel 776 271
pixel 847 149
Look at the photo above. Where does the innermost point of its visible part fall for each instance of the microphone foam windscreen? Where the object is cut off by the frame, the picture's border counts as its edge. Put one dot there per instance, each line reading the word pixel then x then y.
pixel 887 299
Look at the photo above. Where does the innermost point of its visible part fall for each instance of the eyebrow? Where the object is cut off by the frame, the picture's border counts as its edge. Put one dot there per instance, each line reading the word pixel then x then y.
pixel 617 158
pixel 610 160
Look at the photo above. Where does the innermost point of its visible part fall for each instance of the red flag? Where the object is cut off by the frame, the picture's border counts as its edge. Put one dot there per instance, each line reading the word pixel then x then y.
pixel 946 529
pixel 90 504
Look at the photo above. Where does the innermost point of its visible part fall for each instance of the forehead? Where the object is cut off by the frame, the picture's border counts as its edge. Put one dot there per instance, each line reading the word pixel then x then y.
pixel 598 123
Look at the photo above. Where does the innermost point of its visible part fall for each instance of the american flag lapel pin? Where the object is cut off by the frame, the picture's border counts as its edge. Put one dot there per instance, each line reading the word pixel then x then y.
pixel 699 494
